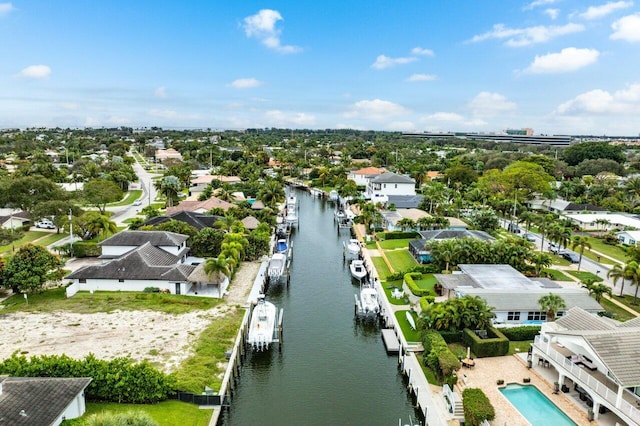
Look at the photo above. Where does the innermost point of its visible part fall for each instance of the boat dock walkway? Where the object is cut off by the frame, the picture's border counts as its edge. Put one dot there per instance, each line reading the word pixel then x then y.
pixel 391 341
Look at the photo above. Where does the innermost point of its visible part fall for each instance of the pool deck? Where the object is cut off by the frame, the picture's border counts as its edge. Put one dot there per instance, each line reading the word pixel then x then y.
pixel 512 369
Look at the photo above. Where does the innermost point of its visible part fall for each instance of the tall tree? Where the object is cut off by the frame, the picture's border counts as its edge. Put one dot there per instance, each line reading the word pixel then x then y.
pixel 31 268
pixel 217 268
pixel 581 243
pixel 617 273
pixel 551 304
pixel 100 192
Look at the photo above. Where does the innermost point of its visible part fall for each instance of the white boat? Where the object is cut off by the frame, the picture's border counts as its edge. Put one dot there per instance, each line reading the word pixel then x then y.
pixel 367 302
pixel 277 268
pixel 262 327
pixel 282 246
pixel 352 248
pixel 291 215
pixel 358 270
pixel 333 195
pixel 292 201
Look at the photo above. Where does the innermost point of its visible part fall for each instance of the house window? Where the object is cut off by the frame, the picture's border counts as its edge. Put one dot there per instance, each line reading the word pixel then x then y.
pixel 82 280
pixel 396 186
pixel 120 280
pixel 536 316
pixel 559 314
pixel 513 316
pixel 632 241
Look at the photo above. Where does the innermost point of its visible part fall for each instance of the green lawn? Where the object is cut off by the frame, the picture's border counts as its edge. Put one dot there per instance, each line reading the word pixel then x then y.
pixel 427 282
pixel 620 314
pixel 51 239
pixel 583 275
pixel 28 237
pixel 557 275
pixel 459 350
pixel 409 333
pixel 167 413
pixel 401 260
pixel 388 288
pixel 104 301
pixel 428 373
pixel 628 301
pixel 207 365
pixel 522 347
pixel 372 246
pixel 401 243
pixel 129 199
pixel 381 267
pixel 617 252
pixel 591 255
pixel 559 261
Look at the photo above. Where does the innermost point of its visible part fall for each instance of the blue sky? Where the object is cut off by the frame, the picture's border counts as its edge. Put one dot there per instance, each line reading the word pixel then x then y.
pixel 557 66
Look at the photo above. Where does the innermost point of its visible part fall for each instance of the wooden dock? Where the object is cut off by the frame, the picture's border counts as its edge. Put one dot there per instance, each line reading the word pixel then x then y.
pixel 391 341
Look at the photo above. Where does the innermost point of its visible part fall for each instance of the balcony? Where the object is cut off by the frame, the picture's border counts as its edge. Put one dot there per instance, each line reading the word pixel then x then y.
pixel 594 382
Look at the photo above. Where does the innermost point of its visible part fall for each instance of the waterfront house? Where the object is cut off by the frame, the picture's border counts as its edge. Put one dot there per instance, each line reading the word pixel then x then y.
pixel 598 358
pixel 197 220
pixel 421 254
pixel 45 401
pixel 201 206
pixel 362 176
pixel 380 187
pixel 513 296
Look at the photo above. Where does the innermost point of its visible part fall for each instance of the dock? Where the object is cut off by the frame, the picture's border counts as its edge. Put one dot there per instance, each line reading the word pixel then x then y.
pixel 390 340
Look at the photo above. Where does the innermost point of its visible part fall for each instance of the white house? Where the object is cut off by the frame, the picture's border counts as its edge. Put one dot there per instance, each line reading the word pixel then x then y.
pixel 604 221
pixel 628 238
pixel 43 401
pixel 597 359
pixel 143 259
pixel 362 176
pixel 513 296
pixel 390 184
pixel 13 219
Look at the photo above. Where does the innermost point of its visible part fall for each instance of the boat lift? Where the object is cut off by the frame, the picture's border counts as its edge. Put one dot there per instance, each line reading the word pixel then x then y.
pixel 277 335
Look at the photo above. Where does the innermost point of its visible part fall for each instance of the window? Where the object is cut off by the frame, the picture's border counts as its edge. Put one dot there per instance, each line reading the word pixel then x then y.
pixel 396 186
pixel 82 280
pixel 120 280
pixel 559 314
pixel 536 316
pixel 513 316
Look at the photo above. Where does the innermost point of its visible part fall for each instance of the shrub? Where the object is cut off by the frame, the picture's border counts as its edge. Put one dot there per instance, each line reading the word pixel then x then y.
pixel 130 418
pixel 521 333
pixel 86 249
pixel 425 301
pixel 451 336
pixel 151 290
pixel 439 357
pixel 409 280
pixel 495 345
pixel 118 380
pixel 397 235
pixel 477 407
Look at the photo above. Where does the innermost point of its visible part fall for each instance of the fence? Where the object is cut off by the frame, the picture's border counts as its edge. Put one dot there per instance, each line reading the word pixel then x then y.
pixel 201 399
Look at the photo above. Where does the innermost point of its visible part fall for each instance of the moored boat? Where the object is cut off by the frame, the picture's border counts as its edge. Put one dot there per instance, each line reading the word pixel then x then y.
pixel 367 302
pixel 352 248
pixel 358 270
pixel 277 268
pixel 262 328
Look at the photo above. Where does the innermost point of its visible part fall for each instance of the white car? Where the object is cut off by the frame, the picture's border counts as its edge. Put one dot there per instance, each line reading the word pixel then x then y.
pixel 45 224
pixel 137 202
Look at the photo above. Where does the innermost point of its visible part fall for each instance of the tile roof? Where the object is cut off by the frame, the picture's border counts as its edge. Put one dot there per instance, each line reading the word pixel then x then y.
pixel 37 400
pixel 368 171
pixel 211 203
pixel 579 319
pixel 138 238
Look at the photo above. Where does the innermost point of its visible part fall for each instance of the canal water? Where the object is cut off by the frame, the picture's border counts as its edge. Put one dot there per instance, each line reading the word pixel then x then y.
pixel 331 370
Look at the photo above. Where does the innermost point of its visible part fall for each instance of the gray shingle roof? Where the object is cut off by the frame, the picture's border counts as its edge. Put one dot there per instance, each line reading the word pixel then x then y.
pixel 444 234
pixel 138 238
pixel 43 399
pixel 197 220
pixel 578 319
pixel 527 300
pixel 392 178
pixel 143 263
pixel 620 353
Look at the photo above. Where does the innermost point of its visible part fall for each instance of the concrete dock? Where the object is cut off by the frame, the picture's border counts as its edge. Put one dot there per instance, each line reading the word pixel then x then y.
pixel 391 341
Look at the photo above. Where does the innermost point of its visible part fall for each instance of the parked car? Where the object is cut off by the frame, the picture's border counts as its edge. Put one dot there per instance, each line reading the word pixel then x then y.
pixel 571 257
pixel 556 249
pixel 44 224
pixel 513 227
pixel 529 237
pixel 137 202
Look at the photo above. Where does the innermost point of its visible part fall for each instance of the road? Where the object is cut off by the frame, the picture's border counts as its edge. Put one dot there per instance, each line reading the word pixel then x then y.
pixel 149 193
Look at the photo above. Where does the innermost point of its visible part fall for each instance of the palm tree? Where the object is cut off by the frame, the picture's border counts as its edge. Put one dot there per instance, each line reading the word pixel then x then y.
pixel 424 223
pixel 217 268
pixel 406 223
pixel 271 194
pixel 541 261
pixel 551 304
pixel 226 222
pixel 616 273
pixel 581 243
pixel 103 225
pixel 169 186
pixel 597 290
pixel 632 272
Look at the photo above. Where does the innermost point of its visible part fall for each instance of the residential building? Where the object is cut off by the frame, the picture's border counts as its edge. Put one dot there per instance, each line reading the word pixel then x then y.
pixel 560 206
pixel 404 201
pixel 392 217
pixel 201 206
pixel 165 154
pixel 598 359
pixel 604 221
pixel 421 254
pixel 380 187
pixel 13 219
pixel 513 296
pixel 199 183
pixel 628 238
pixel 197 220
pixel 45 401
pixel 362 176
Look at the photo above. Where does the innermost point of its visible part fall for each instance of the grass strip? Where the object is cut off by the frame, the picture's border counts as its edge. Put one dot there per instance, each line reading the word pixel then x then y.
pixel 409 333
pixel 401 260
pixel 381 267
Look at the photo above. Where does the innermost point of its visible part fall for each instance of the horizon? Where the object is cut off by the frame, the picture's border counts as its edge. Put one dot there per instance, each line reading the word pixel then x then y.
pixel 560 67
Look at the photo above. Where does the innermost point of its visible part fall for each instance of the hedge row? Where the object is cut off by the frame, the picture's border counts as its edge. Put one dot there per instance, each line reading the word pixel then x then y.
pixel 451 336
pixel 397 235
pixel 496 344
pixel 119 380
pixel 477 407
pixel 521 333
pixel 86 249
pixel 425 301
pixel 409 281
pixel 439 357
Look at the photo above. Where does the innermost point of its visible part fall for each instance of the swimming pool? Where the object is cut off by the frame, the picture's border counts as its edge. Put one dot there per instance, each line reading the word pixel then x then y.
pixel 535 406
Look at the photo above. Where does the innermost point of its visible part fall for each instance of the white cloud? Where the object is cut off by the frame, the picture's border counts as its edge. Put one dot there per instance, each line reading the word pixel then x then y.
pixel 596 12
pixel 445 116
pixel 537 3
pixel 119 121
pixel 376 109
pixel 401 126
pixel 627 28
pixel 160 92
pixel 421 77
pixel 6 8
pixel 419 51
pixel 567 60
pixel 383 61
pixel 262 26
pixel 280 118
pixel 601 102
pixel 35 71
pixel 517 37
pixel 245 83
pixel 487 104
pixel 552 13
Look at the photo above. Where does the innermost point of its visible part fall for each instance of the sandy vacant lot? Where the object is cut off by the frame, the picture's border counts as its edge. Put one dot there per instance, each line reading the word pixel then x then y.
pixel 163 339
